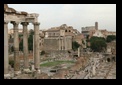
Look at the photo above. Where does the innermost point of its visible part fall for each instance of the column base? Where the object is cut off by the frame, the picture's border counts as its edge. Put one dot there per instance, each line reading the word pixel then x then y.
pixel 16 73
pixel 7 76
pixel 32 68
pixel 27 71
pixel 38 71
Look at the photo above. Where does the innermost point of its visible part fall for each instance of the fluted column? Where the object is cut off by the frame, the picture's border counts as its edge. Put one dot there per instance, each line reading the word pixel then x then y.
pixel 25 45
pixel 16 47
pixel 36 46
pixel 6 59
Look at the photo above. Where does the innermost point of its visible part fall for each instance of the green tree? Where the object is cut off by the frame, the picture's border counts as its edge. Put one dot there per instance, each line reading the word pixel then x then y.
pixel 21 42
pixel 12 49
pixel 21 45
pixel 75 45
pixel 98 44
pixel 30 40
pixel 11 62
pixel 110 38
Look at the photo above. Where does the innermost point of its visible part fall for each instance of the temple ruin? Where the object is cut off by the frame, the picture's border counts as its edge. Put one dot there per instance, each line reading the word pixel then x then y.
pixel 14 17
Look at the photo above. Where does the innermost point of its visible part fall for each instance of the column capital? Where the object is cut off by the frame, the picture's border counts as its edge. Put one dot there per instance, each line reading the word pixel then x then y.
pixel 36 23
pixel 15 23
pixel 24 23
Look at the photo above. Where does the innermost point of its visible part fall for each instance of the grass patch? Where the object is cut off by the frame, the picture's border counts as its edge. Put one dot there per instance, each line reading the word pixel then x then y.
pixel 48 64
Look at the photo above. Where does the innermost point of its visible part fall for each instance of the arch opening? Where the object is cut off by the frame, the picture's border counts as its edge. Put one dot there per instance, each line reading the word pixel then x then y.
pixel 108 59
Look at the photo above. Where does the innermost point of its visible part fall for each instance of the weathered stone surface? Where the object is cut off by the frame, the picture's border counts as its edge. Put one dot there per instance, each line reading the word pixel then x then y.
pixel 6 59
pixel 42 76
pixel 7 76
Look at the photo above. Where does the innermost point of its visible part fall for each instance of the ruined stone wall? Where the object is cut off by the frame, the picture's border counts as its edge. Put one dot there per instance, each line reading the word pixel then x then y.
pixel 51 44
pixel 61 53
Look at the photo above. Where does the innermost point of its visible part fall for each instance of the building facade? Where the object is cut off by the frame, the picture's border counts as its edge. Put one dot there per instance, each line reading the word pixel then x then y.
pixel 59 38
pixel 87 30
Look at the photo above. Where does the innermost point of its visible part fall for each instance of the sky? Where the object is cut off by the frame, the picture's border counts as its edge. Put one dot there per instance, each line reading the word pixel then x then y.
pixel 76 15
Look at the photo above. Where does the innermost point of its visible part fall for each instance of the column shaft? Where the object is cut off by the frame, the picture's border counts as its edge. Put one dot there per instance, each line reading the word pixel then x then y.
pixel 25 45
pixel 70 44
pixel 16 47
pixel 6 60
pixel 79 52
pixel 65 43
pixel 62 44
pixel 36 46
pixel 59 44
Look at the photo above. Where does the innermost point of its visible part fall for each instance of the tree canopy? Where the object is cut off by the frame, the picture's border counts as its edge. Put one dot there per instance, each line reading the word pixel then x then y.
pixel 98 44
pixel 110 38
pixel 30 41
pixel 75 45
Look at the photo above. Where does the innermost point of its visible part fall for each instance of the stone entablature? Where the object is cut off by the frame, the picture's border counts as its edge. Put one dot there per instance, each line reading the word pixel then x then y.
pixel 11 14
pixel 21 18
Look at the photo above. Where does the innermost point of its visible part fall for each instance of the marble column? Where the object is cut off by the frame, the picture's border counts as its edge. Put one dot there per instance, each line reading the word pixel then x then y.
pixel 25 45
pixel 65 42
pixel 59 44
pixel 79 52
pixel 68 44
pixel 16 48
pixel 6 59
pixel 62 44
pixel 93 70
pixel 36 46
pixel 71 43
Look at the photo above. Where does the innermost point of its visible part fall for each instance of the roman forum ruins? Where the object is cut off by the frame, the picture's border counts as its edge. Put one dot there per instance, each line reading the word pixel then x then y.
pixel 14 17
pixel 55 46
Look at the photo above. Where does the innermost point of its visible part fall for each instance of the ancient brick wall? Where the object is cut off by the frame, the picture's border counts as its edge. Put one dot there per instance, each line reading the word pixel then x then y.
pixel 51 44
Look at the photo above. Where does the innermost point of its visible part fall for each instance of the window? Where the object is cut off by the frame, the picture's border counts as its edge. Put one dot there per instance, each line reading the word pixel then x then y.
pixel 69 31
pixel 65 30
